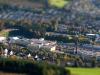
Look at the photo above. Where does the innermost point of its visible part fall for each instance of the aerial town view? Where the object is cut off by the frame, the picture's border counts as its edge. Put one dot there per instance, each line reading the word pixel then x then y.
pixel 49 37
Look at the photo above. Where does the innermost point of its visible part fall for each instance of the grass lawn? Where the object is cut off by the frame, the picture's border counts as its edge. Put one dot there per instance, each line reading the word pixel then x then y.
pixel 85 71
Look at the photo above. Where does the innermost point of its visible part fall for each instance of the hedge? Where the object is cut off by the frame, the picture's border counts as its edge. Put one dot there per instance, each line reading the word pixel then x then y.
pixel 31 67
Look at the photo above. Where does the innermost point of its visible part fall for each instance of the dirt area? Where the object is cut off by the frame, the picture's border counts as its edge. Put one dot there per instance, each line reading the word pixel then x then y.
pixel 6 73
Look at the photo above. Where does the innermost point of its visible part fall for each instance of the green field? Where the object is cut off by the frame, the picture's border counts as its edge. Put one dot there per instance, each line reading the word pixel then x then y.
pixel 58 3
pixel 85 71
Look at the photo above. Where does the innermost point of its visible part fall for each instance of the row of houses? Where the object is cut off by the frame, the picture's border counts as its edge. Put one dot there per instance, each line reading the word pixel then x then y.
pixel 22 15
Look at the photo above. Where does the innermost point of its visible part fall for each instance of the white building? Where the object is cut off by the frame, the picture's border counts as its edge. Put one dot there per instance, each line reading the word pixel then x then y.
pixel 11 53
pixel 29 55
pixel 5 52
pixel 2 39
